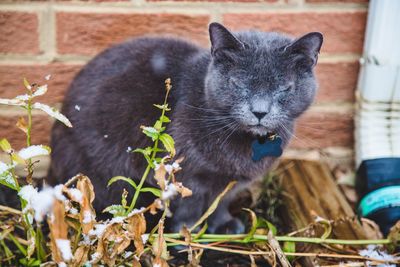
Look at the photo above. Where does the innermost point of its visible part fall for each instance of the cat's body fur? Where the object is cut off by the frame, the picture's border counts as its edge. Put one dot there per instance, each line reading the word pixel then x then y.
pixel 116 92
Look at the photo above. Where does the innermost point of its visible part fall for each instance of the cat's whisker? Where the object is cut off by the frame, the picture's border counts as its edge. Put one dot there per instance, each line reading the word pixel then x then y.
pixel 308 143
pixel 202 108
pixel 233 129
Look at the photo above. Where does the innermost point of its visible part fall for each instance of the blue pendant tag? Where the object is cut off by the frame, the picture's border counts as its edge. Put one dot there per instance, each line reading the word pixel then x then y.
pixel 268 147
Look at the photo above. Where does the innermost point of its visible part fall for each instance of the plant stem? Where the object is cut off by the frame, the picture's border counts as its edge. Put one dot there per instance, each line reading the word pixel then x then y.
pixel 19 246
pixel 28 138
pixel 28 133
pixel 256 238
pixel 153 156
pixel 137 192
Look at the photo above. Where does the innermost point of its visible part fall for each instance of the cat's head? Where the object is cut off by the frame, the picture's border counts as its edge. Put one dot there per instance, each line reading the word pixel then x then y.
pixel 259 80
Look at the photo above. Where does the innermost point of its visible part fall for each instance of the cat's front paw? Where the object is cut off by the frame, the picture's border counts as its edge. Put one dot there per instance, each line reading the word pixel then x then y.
pixel 233 226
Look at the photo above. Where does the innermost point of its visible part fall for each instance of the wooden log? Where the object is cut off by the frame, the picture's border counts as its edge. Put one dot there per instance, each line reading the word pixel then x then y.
pixel 309 190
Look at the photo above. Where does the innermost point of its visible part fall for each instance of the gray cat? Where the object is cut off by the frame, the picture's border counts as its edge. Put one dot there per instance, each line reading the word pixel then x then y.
pixel 252 85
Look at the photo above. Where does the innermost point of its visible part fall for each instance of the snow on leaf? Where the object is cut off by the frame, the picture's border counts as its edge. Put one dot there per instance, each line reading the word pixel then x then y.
pixel 12 102
pixel 53 113
pixel 24 97
pixel 27 192
pixel 34 151
pixel 170 192
pixel 76 194
pixel 41 90
pixel 6 176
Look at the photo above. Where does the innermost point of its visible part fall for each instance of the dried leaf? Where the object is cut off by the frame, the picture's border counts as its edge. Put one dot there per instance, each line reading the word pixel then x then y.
pixel 87 213
pixel 184 191
pixel 80 256
pixel 188 238
pixel 58 229
pixel 156 205
pixel 113 242
pixel 21 124
pixel 160 247
pixel 27 84
pixel 394 236
pixel 160 173
pixel 136 227
pixel 31 245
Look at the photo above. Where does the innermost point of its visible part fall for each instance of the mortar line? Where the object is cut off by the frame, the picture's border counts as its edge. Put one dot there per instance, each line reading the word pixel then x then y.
pixel 182 7
pixel 9 59
pixel 340 107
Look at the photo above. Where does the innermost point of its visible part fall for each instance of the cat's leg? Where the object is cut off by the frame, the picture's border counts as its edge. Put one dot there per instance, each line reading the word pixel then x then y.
pixel 188 210
pixel 222 221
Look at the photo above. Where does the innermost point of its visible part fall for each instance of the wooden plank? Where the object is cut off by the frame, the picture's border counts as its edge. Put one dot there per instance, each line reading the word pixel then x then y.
pixel 309 189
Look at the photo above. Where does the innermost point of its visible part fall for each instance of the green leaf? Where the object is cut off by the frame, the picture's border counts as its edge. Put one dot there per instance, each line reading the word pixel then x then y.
pixel 262 223
pixel 254 224
pixel 5 145
pixel 146 151
pixel 158 125
pixel 154 191
pixel 149 161
pixel 213 206
pixel 115 210
pixel 6 177
pixel 168 143
pixel 7 180
pixel 122 178
pixel 163 107
pixel 289 247
pixel 165 119
pixel 151 132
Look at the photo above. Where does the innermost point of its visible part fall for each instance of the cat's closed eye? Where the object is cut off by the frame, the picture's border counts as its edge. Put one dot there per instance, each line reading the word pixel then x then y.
pixel 286 88
pixel 237 83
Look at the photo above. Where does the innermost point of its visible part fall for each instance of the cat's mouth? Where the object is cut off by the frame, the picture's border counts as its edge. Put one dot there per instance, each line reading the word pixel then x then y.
pixel 270 136
pixel 261 131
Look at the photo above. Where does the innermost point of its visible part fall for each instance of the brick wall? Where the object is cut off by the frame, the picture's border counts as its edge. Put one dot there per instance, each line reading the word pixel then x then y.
pixel 57 37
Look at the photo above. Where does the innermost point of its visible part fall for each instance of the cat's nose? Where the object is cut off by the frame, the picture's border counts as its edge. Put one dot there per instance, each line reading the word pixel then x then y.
pixel 259 115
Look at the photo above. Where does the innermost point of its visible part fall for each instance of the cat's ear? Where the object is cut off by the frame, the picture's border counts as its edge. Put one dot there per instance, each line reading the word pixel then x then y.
pixel 305 49
pixel 222 40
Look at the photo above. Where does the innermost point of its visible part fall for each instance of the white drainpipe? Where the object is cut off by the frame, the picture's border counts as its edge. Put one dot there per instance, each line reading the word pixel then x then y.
pixel 377 133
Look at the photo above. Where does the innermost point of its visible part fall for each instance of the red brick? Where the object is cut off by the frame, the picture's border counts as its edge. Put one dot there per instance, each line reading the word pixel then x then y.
pixel 41 126
pixel 337 81
pixel 19 32
pixel 343 31
pixel 11 77
pixel 323 129
pixel 88 33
